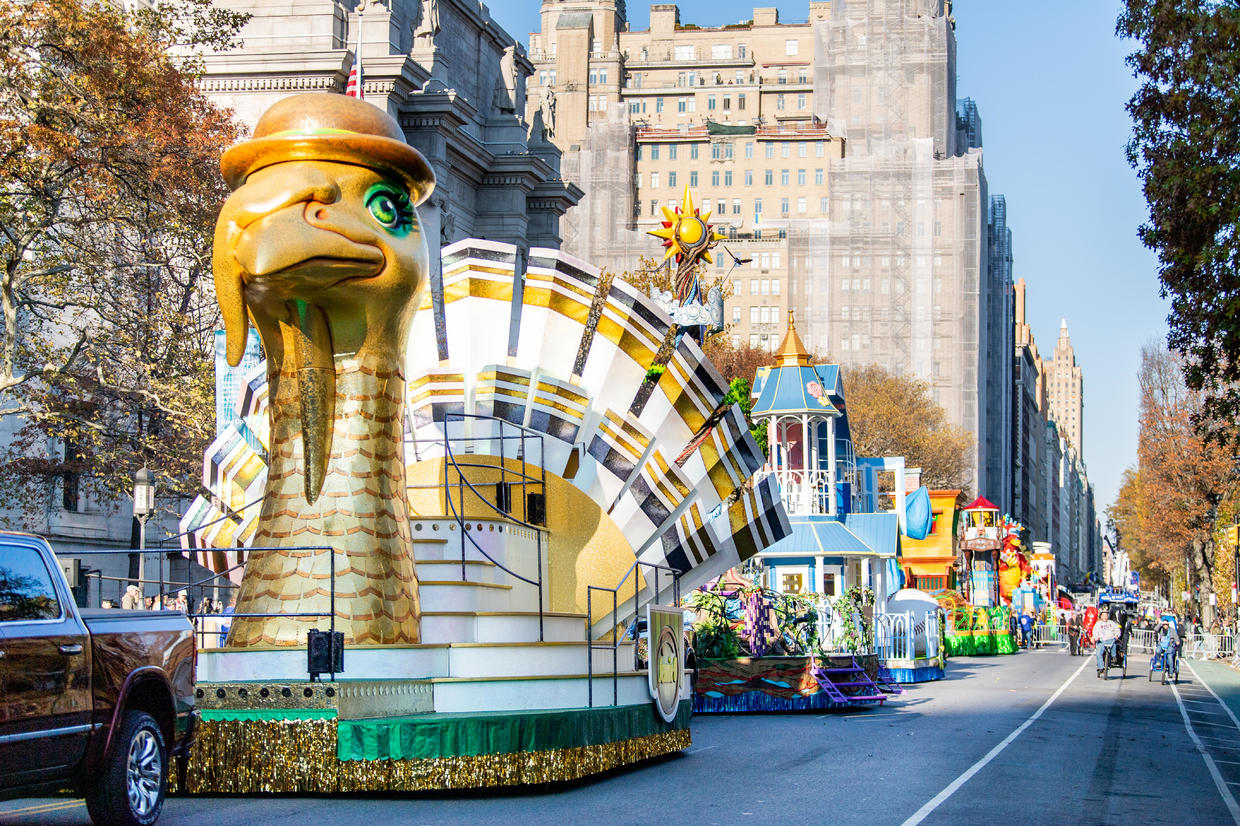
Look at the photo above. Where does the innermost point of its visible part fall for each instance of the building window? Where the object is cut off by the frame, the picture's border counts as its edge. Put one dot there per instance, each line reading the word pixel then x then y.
pixel 766 261
pixel 727 103
pixel 721 51
pixel 783 206
pixel 818 177
pixel 769 177
pixel 654 180
pixel 775 260
pixel 654 207
pixel 766 290
pixel 748 177
pixel 790 47
pixel 781 77
pixel 784 177
pixel 740 102
pixel 727 178
pixel 802 149
pixel 779 102
pixel 770 150
pixel 757 209
pixel 802 78
pixel 753 284
pixel 693 178
pixel 801 103
pixel 714 178
pixel 721 207
pixel 736 208
pixel 801 208
pixel 671 178
pixel 654 151
pixel 775 286
pixel 658 105
pixel 710 103
pixel 753 314
pixel 820 149
pixel 671 152
pixel 801 177
pixel 637 180
pixel 684 53
pixel 693 151
pixel 822 205
pixel 753 339
pixel 828 585
pixel 682 104
pixel 749 151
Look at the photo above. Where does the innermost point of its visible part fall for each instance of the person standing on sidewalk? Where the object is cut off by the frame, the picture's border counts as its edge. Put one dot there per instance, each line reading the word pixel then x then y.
pixel 1074 633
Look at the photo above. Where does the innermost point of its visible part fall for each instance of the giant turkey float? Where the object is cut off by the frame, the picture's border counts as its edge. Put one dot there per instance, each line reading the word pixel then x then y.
pixel 467 485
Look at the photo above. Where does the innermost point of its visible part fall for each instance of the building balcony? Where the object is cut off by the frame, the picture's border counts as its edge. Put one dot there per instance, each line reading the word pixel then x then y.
pixel 804 492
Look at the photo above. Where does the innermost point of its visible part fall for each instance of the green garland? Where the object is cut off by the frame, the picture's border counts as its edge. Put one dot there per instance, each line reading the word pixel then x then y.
pixel 858 636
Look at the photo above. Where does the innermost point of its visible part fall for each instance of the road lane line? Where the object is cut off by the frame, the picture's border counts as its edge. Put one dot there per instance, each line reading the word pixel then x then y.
pixel 1225 792
pixel 936 801
pixel 1230 713
pixel 42 808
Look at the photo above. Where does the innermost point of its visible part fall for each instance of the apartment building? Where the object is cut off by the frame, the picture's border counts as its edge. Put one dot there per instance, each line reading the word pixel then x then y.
pixel 1065 389
pixel 832 148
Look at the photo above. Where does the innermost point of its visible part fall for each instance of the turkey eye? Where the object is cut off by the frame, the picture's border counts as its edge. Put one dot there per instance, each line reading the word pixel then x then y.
pixel 390 207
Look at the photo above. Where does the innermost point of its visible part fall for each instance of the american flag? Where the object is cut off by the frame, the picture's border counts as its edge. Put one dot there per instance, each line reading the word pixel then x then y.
pixel 354 87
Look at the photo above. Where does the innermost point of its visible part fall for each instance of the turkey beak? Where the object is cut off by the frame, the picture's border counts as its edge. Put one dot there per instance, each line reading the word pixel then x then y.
pixel 316 386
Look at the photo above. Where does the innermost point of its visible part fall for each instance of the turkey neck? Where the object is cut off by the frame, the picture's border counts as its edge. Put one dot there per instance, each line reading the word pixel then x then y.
pixel 361 512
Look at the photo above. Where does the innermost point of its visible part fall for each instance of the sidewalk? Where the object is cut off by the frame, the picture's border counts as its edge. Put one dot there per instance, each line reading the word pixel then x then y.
pixel 1219 676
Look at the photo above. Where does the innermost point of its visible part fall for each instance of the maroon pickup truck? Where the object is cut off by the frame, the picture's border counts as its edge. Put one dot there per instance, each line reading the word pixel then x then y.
pixel 94 700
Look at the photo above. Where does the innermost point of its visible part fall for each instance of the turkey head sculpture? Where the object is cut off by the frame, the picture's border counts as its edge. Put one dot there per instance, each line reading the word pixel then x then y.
pixel 320 247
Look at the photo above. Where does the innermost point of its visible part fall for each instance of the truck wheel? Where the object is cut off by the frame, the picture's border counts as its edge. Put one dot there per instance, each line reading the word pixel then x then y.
pixel 129 789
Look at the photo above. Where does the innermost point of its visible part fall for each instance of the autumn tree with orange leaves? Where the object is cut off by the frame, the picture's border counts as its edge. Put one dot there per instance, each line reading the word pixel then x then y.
pixel 1170 506
pixel 109 187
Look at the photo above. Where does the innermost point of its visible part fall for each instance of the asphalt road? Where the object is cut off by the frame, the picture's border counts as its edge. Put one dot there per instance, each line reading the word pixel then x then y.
pixel 961 751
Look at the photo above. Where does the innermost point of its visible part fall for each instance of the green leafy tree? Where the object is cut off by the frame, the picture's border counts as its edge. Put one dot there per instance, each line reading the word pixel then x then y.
pixel 1185 146
pixel 109 186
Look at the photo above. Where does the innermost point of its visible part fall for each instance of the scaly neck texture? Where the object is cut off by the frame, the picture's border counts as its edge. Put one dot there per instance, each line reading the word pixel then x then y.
pixel 361 513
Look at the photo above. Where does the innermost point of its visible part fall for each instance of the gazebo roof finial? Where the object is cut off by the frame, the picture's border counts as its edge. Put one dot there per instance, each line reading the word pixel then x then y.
pixel 792 352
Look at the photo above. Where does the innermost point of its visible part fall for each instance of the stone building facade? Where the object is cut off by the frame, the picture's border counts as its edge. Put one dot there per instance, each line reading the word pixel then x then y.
pixel 1065 389
pixel 833 151
pixel 449 74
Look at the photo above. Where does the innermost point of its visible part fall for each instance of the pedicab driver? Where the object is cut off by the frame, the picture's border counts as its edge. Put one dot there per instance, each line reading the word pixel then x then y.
pixel 1106 634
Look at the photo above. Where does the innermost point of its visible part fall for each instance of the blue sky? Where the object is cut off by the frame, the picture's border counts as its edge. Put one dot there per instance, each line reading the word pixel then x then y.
pixel 1050 81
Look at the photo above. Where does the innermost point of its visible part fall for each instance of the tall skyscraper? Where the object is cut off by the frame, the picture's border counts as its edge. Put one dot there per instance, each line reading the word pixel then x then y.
pixel 1065 390
pixel 834 156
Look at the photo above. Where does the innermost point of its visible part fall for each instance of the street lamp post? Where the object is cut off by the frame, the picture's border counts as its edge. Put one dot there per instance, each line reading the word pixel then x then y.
pixel 143 507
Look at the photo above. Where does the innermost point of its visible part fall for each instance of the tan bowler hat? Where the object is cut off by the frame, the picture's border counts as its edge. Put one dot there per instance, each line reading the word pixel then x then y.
pixel 329 127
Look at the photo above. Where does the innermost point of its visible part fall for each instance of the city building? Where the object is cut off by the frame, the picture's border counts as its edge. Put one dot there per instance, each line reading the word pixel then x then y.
pixel 1065 389
pixel 1051 493
pixel 849 184
pixel 449 74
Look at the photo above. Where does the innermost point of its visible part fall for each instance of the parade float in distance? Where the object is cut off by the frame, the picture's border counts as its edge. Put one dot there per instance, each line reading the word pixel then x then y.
pixel 469 486
pixel 999 580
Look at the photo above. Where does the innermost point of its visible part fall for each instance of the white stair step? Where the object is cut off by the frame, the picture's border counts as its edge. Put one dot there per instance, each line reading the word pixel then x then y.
pixel 476 570
pixel 514 626
pixel 530 694
pixel 523 659
pixel 447 595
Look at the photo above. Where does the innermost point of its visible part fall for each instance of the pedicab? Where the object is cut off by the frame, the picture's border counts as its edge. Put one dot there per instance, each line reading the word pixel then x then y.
pixel 1121 607
pixel 1167 662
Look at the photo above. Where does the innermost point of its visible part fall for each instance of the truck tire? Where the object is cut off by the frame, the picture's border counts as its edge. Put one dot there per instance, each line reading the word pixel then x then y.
pixel 130 786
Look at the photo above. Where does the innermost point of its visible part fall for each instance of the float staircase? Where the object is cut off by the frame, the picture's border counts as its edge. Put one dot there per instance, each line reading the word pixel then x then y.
pixel 887 683
pixel 848 685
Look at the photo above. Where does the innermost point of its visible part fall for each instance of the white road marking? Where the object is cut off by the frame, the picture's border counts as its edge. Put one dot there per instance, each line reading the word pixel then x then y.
pixel 1230 713
pixel 1223 790
pixel 936 801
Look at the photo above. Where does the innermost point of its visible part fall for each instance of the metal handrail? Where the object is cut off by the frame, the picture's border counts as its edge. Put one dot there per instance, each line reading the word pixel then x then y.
pixel 524 479
pixel 215 521
pixel 331 614
pixel 592 646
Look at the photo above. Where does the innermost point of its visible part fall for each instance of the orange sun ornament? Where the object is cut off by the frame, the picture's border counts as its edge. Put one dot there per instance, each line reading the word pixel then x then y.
pixel 686 233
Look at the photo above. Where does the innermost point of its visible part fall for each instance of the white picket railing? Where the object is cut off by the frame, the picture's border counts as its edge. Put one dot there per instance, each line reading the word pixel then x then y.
pixel 906 636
